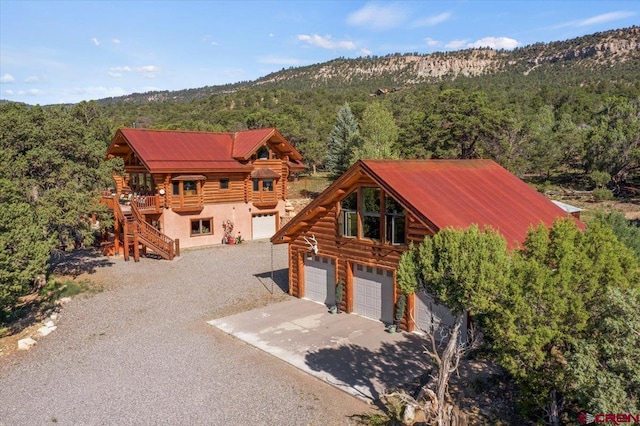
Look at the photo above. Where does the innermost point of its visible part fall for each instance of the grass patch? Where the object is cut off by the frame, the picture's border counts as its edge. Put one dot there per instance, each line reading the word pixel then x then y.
pixel 56 289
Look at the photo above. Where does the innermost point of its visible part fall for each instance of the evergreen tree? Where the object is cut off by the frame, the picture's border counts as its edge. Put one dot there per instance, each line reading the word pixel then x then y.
pixel 344 138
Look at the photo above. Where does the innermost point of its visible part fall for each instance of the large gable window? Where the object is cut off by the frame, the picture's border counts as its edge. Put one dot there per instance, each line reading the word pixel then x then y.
pixel 368 213
pixel 371 213
pixel 395 221
pixel 349 215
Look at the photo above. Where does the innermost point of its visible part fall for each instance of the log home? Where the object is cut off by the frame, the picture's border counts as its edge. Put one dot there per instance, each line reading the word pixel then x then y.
pixel 357 229
pixel 184 185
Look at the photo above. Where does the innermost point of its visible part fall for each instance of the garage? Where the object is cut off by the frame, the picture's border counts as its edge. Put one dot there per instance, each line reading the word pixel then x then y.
pixel 263 226
pixel 373 293
pixel 429 315
pixel 320 279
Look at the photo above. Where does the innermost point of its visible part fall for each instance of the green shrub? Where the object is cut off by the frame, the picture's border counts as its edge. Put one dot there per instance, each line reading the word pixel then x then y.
pixel 602 194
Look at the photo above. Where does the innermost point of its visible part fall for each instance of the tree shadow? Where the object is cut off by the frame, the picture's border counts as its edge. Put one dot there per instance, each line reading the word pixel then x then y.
pixel 369 372
pixel 77 262
pixel 280 279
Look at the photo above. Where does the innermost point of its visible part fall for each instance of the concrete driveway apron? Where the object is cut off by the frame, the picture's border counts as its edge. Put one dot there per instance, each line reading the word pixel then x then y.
pixel 352 353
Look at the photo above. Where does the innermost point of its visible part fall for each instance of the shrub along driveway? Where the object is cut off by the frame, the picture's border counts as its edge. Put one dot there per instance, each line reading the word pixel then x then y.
pixel 140 352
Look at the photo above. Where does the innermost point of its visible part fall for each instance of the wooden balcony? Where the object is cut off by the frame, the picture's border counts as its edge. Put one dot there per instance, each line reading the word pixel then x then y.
pixel 147 204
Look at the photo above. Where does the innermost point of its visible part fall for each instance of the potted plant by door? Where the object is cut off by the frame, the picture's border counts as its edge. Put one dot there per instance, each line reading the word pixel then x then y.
pixel 335 309
pixel 400 308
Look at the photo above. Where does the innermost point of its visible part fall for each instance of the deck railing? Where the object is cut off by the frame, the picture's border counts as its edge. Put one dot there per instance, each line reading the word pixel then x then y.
pixel 158 241
pixel 147 203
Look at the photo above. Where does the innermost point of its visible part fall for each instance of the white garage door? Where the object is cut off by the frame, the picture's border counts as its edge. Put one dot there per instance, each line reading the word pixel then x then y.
pixel 373 293
pixel 320 280
pixel 263 226
pixel 430 316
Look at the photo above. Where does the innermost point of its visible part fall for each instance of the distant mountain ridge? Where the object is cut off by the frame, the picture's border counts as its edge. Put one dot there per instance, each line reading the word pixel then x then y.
pixel 602 52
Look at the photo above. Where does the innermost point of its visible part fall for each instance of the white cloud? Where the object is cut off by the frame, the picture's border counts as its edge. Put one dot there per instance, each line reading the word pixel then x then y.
pixel 32 79
pixel 378 16
pixel 495 43
pixel 365 52
pixel 115 41
pixel 598 19
pixel 9 92
pixel 431 42
pixel 430 21
pixel 214 43
pixel 31 92
pixel 149 71
pixel 326 42
pixel 272 35
pixel 275 60
pixel 605 17
pixel 95 41
pixel 456 44
pixel 7 78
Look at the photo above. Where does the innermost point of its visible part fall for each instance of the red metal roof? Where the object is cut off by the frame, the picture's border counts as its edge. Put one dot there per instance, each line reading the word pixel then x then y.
pixel 448 193
pixel 184 151
pixel 458 193
pixel 247 143
pixel 249 140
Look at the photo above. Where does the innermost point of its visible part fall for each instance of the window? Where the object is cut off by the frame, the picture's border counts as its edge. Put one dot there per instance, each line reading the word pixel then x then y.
pixel 265 184
pixel 371 213
pixel 349 215
pixel 394 218
pixel 201 226
pixel 224 183
pixel 189 187
pixel 368 209
pixel 142 183
pixel 263 153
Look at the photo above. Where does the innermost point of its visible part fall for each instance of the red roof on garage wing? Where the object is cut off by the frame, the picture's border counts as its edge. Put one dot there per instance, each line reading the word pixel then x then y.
pixel 452 193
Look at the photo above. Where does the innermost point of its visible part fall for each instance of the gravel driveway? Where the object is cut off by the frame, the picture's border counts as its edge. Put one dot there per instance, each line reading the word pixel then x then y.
pixel 140 352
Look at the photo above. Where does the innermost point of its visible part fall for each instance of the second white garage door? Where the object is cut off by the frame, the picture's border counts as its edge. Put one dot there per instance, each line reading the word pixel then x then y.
pixel 320 280
pixel 373 293
pixel 263 226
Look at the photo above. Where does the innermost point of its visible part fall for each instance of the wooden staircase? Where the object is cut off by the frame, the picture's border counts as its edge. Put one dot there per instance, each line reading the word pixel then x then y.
pixel 136 232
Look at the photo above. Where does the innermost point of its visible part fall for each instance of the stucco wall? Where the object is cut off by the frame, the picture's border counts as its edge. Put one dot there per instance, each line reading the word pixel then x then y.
pixel 178 225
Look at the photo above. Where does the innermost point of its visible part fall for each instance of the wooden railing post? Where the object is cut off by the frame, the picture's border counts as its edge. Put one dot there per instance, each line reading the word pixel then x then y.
pixel 136 248
pixel 177 244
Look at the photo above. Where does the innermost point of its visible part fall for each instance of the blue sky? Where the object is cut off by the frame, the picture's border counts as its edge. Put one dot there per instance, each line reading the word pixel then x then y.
pixel 66 52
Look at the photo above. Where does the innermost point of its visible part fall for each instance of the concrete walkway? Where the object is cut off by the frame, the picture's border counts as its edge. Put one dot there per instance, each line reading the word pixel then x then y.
pixel 352 353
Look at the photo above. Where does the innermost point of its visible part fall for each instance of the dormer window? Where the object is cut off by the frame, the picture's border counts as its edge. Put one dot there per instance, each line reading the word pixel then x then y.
pixel 263 153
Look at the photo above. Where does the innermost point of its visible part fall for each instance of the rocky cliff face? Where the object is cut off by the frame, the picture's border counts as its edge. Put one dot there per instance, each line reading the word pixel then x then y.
pixel 600 50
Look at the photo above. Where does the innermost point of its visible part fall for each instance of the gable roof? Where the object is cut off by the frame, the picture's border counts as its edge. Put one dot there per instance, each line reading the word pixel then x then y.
pixel 190 151
pixel 452 193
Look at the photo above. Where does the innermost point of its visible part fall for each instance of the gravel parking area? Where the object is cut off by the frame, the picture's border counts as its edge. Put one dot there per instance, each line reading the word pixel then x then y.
pixel 140 352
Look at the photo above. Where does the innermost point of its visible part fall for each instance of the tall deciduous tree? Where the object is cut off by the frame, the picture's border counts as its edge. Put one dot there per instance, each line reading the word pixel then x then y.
pixel 379 134
pixel 344 138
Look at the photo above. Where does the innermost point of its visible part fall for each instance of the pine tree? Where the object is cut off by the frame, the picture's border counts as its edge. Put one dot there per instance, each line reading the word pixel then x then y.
pixel 344 138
